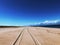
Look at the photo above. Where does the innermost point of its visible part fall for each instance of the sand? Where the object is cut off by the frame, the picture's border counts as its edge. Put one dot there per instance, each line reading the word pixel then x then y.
pixel 30 36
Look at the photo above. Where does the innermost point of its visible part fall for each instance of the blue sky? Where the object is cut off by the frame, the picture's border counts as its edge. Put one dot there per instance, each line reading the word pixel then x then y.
pixel 26 12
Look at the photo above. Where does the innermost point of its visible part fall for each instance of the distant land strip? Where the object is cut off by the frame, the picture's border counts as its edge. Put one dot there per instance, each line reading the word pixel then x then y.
pixel 9 26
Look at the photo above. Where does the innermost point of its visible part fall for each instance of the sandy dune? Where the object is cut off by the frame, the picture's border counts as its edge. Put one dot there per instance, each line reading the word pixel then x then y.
pixel 29 36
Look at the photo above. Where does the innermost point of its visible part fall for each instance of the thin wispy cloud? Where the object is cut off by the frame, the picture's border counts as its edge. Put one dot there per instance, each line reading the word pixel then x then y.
pixel 51 21
pixel 48 22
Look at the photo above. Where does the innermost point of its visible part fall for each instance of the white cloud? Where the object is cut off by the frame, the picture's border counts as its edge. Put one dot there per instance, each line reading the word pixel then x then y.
pixel 46 22
pixel 51 21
